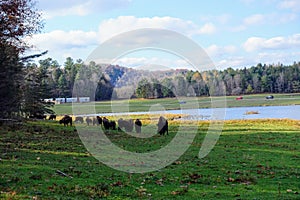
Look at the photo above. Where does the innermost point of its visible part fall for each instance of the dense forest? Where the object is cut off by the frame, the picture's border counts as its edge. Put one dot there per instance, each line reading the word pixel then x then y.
pixel 122 82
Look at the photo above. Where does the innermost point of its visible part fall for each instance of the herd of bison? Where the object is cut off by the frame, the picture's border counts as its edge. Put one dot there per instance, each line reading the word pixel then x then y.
pixel 124 125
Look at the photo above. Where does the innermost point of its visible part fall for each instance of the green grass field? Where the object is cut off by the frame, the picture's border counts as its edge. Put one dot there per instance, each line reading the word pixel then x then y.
pixel 135 105
pixel 253 159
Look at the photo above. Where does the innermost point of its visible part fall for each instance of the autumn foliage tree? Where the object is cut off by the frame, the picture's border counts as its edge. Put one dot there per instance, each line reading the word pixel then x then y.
pixel 18 19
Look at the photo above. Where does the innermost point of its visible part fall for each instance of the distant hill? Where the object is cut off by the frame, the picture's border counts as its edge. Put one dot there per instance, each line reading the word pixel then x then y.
pixel 123 76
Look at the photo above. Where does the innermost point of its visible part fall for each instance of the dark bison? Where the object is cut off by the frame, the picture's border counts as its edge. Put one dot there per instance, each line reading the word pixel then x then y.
pixel 37 116
pixel 112 125
pixel 52 117
pixel 125 124
pixel 138 126
pixel 88 121
pixel 108 124
pixel 78 119
pixel 66 120
pixel 99 120
pixel 163 126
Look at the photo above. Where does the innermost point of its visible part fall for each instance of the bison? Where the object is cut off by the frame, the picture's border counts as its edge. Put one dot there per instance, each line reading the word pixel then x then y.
pixel 126 124
pixel 163 126
pixel 99 119
pixel 88 121
pixel 78 119
pixel 37 116
pixel 52 117
pixel 66 120
pixel 138 126
pixel 108 124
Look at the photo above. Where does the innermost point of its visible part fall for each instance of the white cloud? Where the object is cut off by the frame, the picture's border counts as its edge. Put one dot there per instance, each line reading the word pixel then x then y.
pixel 265 19
pixel 58 39
pixel 253 43
pixel 252 59
pixel 259 50
pixel 254 19
pixel 218 51
pixel 285 18
pixel 247 2
pixel 225 56
pixel 234 62
pixel 293 5
pixel 278 57
pixel 55 8
pixel 62 44
pixel 111 27
pixel 207 28
pixel 71 42
pixel 275 43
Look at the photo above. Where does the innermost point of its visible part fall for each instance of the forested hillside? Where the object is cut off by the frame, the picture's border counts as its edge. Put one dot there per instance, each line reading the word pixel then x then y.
pixel 122 82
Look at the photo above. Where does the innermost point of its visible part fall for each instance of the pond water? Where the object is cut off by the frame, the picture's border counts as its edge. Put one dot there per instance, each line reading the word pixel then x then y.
pixel 263 112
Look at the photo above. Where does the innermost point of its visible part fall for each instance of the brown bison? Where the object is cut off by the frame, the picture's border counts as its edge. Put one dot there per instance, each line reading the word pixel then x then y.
pixel 52 117
pixel 138 126
pixel 108 124
pixel 37 116
pixel 99 120
pixel 66 120
pixel 163 126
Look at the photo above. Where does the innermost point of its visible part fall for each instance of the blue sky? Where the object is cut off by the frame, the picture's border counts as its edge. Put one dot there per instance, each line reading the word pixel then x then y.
pixel 234 33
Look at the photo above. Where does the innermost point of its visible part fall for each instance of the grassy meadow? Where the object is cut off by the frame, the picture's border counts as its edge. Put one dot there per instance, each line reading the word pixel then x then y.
pixel 136 105
pixel 253 159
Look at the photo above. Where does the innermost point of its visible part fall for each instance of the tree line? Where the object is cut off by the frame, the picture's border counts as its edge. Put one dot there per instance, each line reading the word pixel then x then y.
pixel 18 19
pixel 107 82
pixel 262 78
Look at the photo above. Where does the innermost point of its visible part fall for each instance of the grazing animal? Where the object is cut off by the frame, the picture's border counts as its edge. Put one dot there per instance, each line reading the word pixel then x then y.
pixel 78 119
pixel 126 124
pixel 112 125
pixel 108 124
pixel 138 126
pixel 37 116
pixel 88 121
pixel 66 120
pixel 99 119
pixel 95 121
pixel 52 117
pixel 105 123
pixel 163 126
